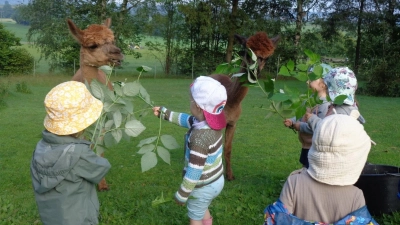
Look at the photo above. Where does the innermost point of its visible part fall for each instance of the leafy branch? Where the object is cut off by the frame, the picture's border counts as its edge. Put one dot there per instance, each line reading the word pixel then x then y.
pixel 119 120
pixel 283 102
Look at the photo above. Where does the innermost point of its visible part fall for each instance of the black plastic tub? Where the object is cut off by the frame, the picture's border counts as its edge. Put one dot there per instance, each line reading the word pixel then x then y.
pixel 379 184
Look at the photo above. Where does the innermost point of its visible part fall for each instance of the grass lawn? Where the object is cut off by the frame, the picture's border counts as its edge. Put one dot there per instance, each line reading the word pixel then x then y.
pixel 264 153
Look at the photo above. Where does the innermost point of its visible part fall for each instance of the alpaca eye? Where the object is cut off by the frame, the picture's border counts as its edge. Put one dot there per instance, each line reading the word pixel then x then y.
pixel 93 47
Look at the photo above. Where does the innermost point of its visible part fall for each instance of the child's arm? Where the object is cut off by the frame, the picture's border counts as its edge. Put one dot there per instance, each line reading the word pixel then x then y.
pixel 180 119
pixel 91 167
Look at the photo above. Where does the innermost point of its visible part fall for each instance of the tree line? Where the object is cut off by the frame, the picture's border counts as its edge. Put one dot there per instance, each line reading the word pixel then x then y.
pixel 198 34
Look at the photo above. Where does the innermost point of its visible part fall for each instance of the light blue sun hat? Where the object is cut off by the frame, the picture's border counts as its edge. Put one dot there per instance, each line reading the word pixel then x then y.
pixel 341 81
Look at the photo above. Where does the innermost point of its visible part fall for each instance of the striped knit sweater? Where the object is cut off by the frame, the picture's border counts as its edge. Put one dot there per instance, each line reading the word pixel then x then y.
pixel 203 154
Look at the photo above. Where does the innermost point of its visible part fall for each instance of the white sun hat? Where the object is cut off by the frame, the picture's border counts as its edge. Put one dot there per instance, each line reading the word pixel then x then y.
pixel 339 150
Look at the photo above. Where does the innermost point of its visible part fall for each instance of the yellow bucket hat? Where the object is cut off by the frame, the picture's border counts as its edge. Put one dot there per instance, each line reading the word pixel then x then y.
pixel 70 108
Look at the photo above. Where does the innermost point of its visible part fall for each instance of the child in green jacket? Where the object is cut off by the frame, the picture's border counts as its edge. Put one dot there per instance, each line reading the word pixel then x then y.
pixel 64 169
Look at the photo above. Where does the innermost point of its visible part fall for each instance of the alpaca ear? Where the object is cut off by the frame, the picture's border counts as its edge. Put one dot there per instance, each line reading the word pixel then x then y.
pixel 107 22
pixel 240 39
pixel 75 31
pixel 276 40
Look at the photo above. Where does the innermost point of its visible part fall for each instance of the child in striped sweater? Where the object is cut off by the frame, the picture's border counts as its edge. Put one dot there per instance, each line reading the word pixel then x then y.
pixel 203 171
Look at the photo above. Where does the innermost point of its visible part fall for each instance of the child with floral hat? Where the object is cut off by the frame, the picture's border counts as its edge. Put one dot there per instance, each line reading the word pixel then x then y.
pixel 340 81
pixel 203 171
pixel 64 169
pixel 325 192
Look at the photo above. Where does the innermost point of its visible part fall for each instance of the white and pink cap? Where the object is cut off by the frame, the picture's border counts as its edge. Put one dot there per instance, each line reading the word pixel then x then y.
pixel 210 95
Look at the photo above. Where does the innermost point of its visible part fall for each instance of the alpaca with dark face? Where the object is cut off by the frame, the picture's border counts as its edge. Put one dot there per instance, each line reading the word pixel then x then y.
pixel 263 47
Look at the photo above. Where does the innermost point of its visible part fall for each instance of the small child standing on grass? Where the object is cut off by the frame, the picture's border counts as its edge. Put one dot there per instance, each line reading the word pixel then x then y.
pixel 305 131
pixel 64 169
pixel 203 171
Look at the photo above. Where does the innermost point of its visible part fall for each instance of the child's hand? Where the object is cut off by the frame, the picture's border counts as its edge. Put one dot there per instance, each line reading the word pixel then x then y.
pixel 156 111
pixel 296 126
pixel 307 116
pixel 288 123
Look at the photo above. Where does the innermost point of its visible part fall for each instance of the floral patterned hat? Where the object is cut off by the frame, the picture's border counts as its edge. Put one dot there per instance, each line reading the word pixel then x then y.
pixel 70 108
pixel 341 81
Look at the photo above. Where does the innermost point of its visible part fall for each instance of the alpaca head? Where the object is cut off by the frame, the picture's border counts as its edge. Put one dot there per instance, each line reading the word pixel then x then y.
pixel 97 44
pixel 262 46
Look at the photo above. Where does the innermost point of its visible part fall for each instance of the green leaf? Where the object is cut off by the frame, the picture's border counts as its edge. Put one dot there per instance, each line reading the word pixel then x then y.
pixel 269 85
pixel 250 79
pixel 134 127
pixel 99 150
pixel 169 142
pixel 279 97
pixel 300 111
pixel 302 67
pixel 118 90
pixel 160 200
pixel 301 76
pixel 109 140
pixel 312 76
pixel 128 107
pixel 117 134
pixel 290 65
pixel 339 100
pixel 96 89
pixel 269 114
pixel 109 95
pixel 145 95
pixel 111 107
pixel 131 88
pixel 148 161
pixel 106 69
pixel 117 116
pixel 222 68
pixel 143 69
pixel 108 124
pixel 284 71
pixel 164 154
pixel 253 55
pixel 146 148
pixel 146 141
pixel 318 70
pixel 237 74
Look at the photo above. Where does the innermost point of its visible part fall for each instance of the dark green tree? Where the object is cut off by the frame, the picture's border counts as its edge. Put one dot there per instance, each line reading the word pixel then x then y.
pixel 13 60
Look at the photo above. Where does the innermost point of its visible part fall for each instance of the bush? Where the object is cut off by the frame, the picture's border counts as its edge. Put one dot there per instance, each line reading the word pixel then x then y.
pixel 19 61
pixel 3 94
pixel 23 88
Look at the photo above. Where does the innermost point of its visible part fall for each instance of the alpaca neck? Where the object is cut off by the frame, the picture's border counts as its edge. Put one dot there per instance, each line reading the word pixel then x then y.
pixel 89 72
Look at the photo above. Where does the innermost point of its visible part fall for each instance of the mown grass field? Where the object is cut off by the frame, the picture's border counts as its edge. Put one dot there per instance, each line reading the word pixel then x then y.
pixel 264 153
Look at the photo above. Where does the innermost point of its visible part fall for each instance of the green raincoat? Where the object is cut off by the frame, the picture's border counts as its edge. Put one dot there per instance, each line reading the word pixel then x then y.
pixel 64 173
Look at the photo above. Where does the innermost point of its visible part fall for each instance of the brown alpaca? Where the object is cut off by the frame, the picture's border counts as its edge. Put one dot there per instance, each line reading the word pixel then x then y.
pixel 263 47
pixel 97 49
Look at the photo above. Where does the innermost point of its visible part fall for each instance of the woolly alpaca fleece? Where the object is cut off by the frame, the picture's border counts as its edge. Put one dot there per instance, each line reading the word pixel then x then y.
pixel 97 34
pixel 261 45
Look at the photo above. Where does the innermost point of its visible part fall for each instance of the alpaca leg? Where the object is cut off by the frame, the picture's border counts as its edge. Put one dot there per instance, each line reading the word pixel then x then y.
pixel 102 185
pixel 229 132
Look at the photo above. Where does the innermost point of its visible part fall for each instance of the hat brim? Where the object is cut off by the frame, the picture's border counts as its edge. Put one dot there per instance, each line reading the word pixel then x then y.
pixel 86 117
pixel 215 121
